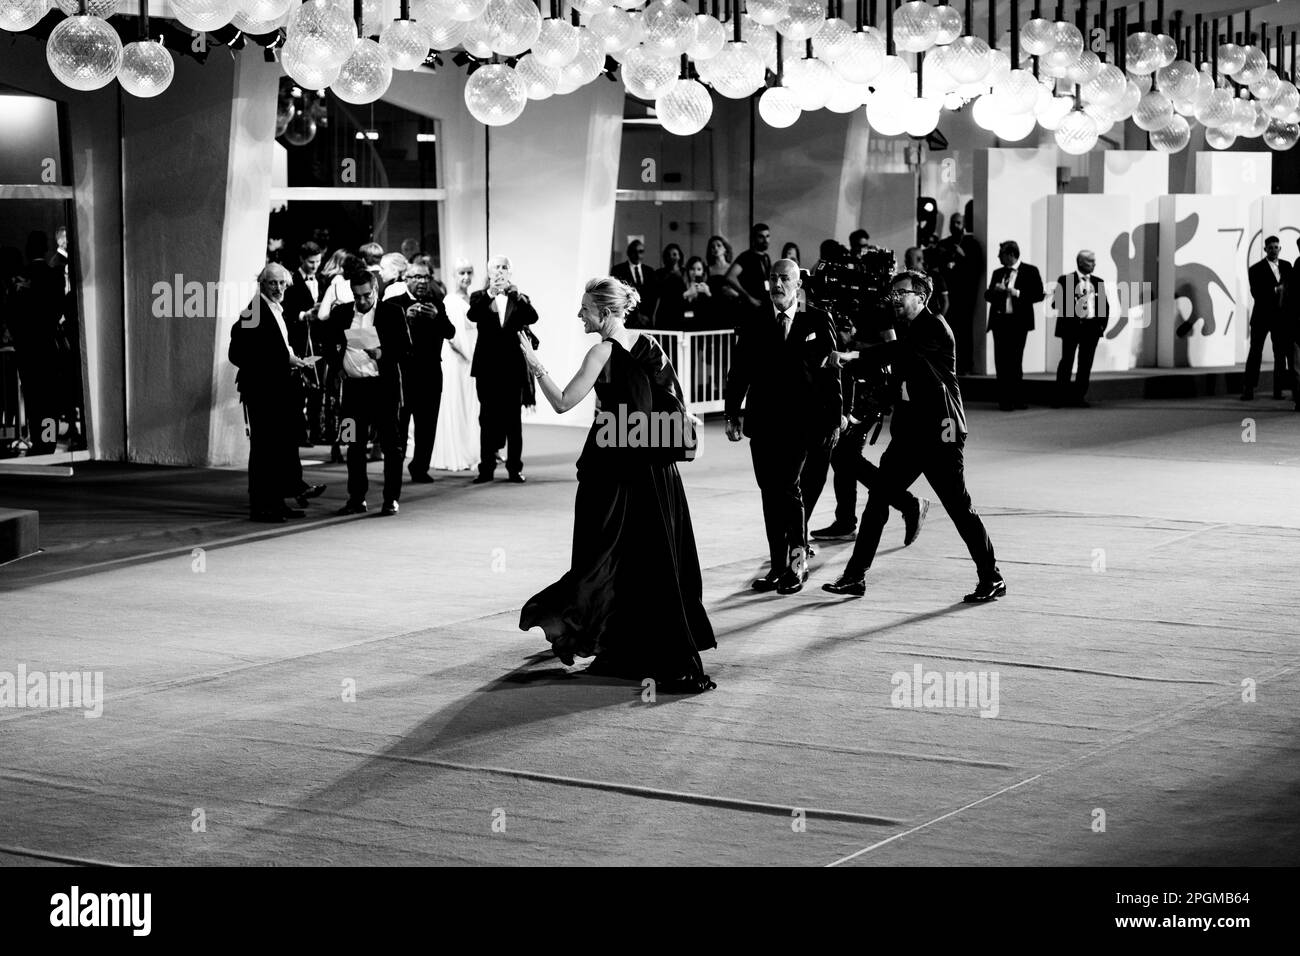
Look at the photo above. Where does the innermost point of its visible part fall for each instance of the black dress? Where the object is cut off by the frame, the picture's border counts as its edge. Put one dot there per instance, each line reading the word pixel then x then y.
pixel 633 594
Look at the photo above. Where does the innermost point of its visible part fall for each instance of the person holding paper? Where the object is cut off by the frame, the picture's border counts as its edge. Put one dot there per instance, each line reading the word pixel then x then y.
pixel 370 344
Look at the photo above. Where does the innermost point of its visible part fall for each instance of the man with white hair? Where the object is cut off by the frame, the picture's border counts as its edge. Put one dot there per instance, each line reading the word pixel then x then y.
pixel 500 374
pixel 1082 313
pixel 271 390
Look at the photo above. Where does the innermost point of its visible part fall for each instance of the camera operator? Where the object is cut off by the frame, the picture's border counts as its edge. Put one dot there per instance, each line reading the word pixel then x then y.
pixel 927 437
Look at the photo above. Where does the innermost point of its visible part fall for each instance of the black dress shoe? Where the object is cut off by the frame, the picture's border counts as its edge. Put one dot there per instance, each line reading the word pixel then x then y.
pixel 987 590
pixel 836 532
pixel 420 477
pixel 767 582
pixel 482 479
pixel 913 520
pixel 311 491
pixel 686 684
pixel 792 580
pixel 847 584
pixel 517 478
pixel 390 508
pixel 267 517
pixel 352 508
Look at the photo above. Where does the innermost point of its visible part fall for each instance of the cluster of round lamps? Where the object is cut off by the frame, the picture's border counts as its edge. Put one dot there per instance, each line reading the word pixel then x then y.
pixel 673 56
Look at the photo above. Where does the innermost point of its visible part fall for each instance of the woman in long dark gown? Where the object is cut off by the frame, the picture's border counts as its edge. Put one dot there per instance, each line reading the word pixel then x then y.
pixel 632 598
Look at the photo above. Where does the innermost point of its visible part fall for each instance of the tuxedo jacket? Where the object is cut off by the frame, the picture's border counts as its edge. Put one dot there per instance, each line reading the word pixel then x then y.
pixel 394 344
pixel 784 383
pixel 1268 304
pixel 497 354
pixel 1071 318
pixel 257 349
pixel 647 288
pixel 298 298
pixel 1021 316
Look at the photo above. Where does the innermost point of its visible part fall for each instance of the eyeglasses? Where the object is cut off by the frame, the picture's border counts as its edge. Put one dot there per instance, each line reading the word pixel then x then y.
pixel 901 293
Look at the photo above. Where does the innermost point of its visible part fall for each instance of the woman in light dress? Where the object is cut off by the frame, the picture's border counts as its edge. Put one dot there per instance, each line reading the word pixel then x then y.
pixel 455 447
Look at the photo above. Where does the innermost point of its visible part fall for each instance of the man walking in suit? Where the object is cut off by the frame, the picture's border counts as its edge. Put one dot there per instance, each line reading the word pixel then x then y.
pixel 370 344
pixel 1082 312
pixel 638 275
pixel 272 395
pixel 306 333
pixel 500 374
pixel 1268 280
pixel 963 265
pixel 792 400
pixel 1012 293
pixel 429 327
pixel 927 437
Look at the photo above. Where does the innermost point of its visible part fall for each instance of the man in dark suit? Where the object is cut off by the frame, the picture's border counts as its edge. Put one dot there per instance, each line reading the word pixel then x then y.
pixel 927 437
pixel 1268 280
pixel 1291 300
pixel 271 391
pixel 372 386
pixel 1082 312
pixel 638 275
pixel 429 327
pixel 963 266
pixel 792 400
pixel 1012 293
pixel 500 374
pixel 306 332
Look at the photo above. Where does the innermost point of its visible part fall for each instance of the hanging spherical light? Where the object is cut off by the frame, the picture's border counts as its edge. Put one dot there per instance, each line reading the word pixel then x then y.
pixel 1038 36
pixel 1154 112
pixel 256 11
pixel 1102 117
pixel 861 57
pixel 1166 50
pixel 894 77
pixel 477 38
pixel 495 94
pixel 986 112
pixel 777 107
pixel 1253 67
pixel 1220 138
pixel 19 15
pixel 1106 87
pixel 1014 127
pixel 968 59
pixel 1066 36
pixel 1284 102
pixel 762 39
pixel 1143 53
pixel 84 53
pixel 447 34
pixel 922 115
pixel 710 34
pixel 1231 58
pixel 301 129
pixel 1017 92
pixel 1281 135
pixel 405 44
pixel 94 8
pixel 1123 107
pixel 615 30
pixel 1142 80
pixel 647 76
pixel 365 75
pixel 304 64
pixel 887 115
pixel 252 26
pixel 684 108
pixel 669 27
pixel 1077 133
pixel 147 68
pixel 1050 114
pixel 830 38
pixel 628 4
pixel 949 21
pixel 936 81
pixel 586 65
pixel 767 12
pixel 915 26
pixel 1086 65
pixel 557 43
pixel 323 34
pixel 737 71
pixel 1266 85
pixel 1259 124
pixel 802 20
pixel 540 81
pixel 1173 136
pixel 1242 117
pixel 589 8
pixel 514 25
pixel 811 82
pixel 1178 79
pixel 1216 110
pixel 463 10
pixel 846 97
pixel 1057 61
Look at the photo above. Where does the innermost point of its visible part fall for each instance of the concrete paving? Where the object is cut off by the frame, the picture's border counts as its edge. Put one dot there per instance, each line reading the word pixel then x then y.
pixel 1146 662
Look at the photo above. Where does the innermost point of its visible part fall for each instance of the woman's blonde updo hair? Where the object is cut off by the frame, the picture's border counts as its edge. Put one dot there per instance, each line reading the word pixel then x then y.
pixel 609 293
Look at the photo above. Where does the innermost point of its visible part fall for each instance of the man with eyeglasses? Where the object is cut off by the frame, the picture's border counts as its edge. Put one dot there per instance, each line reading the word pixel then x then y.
pixel 927 437
pixel 779 371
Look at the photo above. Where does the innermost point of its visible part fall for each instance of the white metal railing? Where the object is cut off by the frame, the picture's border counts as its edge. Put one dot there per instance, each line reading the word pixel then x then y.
pixel 701 360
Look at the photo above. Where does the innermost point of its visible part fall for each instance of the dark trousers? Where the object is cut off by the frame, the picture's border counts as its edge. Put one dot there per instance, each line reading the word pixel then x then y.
pixel 1086 347
pixel 781 468
pixel 1295 369
pixel 274 468
pixel 960 314
pixel 423 399
pixel 1008 358
pixel 812 476
pixel 1259 331
pixel 846 464
pixel 372 403
pixel 499 423
pixel 943 464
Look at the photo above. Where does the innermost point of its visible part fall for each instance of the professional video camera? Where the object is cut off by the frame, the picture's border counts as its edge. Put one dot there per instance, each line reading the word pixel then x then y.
pixel 853 291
